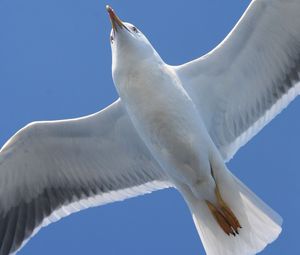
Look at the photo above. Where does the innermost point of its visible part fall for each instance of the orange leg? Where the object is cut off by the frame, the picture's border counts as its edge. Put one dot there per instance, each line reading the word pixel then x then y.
pixel 224 215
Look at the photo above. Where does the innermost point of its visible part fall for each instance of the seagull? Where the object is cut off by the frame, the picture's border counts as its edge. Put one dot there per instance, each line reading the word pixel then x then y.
pixel 172 126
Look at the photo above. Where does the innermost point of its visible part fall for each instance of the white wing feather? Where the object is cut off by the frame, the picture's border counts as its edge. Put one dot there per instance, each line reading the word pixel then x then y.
pixel 250 77
pixel 51 169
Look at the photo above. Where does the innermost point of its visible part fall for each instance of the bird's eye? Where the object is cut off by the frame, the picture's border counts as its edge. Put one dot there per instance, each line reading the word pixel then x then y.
pixel 134 29
pixel 111 39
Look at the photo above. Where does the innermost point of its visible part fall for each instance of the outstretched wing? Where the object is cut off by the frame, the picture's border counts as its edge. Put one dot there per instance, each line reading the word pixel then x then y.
pixel 250 77
pixel 51 169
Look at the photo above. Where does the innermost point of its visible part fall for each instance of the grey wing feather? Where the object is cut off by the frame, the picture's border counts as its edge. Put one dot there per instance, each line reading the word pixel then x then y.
pixel 250 77
pixel 51 169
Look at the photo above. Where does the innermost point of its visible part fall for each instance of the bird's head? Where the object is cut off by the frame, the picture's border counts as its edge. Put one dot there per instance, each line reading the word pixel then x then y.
pixel 128 43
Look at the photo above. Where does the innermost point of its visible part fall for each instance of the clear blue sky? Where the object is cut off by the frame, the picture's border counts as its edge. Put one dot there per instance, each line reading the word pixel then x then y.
pixel 55 63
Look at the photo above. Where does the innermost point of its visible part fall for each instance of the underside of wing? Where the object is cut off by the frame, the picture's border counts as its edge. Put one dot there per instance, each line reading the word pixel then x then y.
pixel 51 169
pixel 250 77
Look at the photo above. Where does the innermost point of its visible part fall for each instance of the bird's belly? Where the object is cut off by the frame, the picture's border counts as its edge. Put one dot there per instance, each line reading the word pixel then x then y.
pixel 177 143
pixel 171 127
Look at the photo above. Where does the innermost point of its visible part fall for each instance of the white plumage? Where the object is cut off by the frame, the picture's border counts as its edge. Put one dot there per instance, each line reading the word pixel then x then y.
pixel 94 160
pixel 172 126
pixel 250 77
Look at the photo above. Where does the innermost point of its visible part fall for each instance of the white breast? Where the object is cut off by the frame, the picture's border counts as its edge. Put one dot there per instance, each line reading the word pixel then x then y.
pixel 166 119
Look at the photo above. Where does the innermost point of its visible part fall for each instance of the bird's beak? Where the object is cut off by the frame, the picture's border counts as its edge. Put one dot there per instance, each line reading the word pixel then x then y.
pixel 116 23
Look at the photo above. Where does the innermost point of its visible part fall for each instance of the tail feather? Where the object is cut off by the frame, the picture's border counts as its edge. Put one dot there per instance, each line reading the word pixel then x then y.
pixel 260 224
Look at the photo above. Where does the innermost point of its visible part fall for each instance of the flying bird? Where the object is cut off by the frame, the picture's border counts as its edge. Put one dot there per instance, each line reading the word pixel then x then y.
pixel 172 126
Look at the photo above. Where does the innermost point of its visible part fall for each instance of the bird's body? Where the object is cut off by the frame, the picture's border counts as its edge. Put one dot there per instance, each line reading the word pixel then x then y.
pixel 172 126
pixel 168 121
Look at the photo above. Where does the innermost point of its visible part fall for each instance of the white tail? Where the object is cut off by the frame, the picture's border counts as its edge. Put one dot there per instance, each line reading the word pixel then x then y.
pixel 260 224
